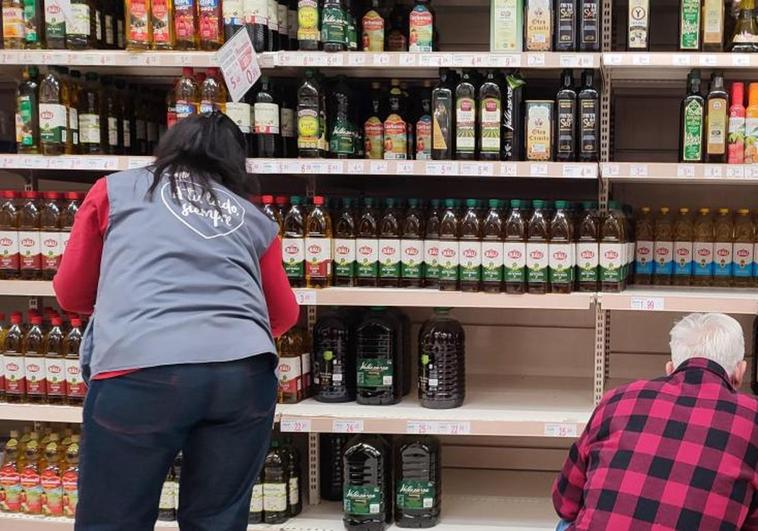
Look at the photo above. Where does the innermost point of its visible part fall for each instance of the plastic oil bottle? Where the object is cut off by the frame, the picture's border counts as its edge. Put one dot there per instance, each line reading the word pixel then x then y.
pixel 55 366
pixel 34 363
pixel 344 245
pixel 70 478
pixel 412 246
pixel 333 359
pixel 432 246
pixel 683 238
pixel 449 250
pixel 27 112
pixel 13 359
pixel 331 448
pixel 293 243
pixel 470 248
pixel 9 244
pixel 612 242
pixel 30 478
pixel 722 248
pixel 561 250
pixel 294 498
pixel 441 362
pixel 743 257
pixel 702 272
pixel 514 248
pixel 290 347
pixel 186 24
pixel 587 249
pixel 162 18
pixel 643 256
pixel 10 475
pixel 389 245
pixel 139 26
pixel 537 249
pixel 213 93
pixel 663 248
pixel 492 248
pixel 29 237
pixel 187 94
pixel 50 240
pixel 318 246
pixel 418 482
pixel 13 24
pixel 367 246
pixel 53 114
pixel 76 389
pixel 379 355
pixel 308 124
pixel 367 485
pixel 52 485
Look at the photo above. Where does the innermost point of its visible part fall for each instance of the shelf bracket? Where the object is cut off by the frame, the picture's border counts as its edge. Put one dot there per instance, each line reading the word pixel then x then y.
pixel 602 350
pixel 314 469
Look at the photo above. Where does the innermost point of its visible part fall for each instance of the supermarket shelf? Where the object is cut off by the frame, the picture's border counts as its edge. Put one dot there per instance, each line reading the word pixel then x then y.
pixel 669 173
pixel 671 65
pixel 472 501
pixel 685 299
pixel 26 288
pixel 100 58
pixel 108 163
pixel 503 406
pixel 40 413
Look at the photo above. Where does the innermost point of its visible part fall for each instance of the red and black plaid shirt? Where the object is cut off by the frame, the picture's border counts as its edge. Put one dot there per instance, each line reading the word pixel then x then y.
pixel 678 452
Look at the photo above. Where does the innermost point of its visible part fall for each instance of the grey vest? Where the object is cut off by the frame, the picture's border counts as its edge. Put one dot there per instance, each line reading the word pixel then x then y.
pixel 180 278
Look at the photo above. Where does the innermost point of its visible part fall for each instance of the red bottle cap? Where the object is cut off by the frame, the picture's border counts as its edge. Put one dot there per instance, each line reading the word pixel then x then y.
pixel 16 318
pixel 81 195
pixel 36 320
pixel 188 71
pixel 9 194
pixel 281 200
pixel 57 321
pixel 51 195
pixel 73 196
pixel 2 316
pixel 267 199
pixel 29 194
pixel 76 322
pixel 318 200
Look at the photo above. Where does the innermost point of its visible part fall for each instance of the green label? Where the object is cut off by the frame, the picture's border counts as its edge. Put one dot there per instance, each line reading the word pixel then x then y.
pixel 562 276
pixel 414 494
pixel 690 25
pixel 448 272
pixel 537 275
pixel 471 273
pixel 515 274
pixel 344 270
pixel 611 274
pixel 431 271
pixel 342 140
pixel 55 24
pixel 367 269
pixel 25 134
pixel 693 131
pixel 389 270
pixel 410 270
pixel 31 33
pixel 374 372
pixel 587 274
pixel 492 274
pixel 334 25
pixel 295 269
pixel 362 501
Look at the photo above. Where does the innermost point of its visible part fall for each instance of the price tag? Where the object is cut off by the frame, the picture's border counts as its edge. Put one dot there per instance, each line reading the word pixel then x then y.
pixel 292 166
pixel 569 60
pixel 239 64
pixel 315 167
pixel 381 59
pixel 613 58
pixel 429 59
pixel 404 167
pixel 685 170
pixel 640 59
pixel 356 167
pixel 408 59
pixel 295 425
pixel 270 166
pixel 572 170
pixel 422 427
pixel 560 430
pixel 305 297
pixel 356 59
pixel 587 60
pixel 378 167
pixel 253 166
pixel 485 169
pixel 509 60
pixel 441 168
pixel 713 171
pixel 468 168
pixel 93 59
pixel 648 304
pixel 347 426
pixel 35 161
pixel 182 59
pixel 681 59
pixel 462 60
pixel 317 59
pixel 107 59
pixel 138 162
pixel 283 59
pixel 638 170
pixel 735 171
pixel 708 60
pixel 740 59
pixel 335 59
pixel 508 169
pixel 61 163
pixel 610 170
pixel 535 59
pixel 56 58
pixel 538 170
pixel 335 167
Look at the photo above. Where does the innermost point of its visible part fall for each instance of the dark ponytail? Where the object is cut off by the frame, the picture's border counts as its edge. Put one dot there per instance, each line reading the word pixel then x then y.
pixel 206 149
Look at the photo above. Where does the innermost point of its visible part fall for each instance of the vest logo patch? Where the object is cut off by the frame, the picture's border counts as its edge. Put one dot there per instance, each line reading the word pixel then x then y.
pixel 208 217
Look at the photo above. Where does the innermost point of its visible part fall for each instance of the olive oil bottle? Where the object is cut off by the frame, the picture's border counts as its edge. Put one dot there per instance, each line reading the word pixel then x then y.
pixel 692 121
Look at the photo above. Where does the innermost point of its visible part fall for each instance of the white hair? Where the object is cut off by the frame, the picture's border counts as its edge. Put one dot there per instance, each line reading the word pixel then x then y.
pixel 714 336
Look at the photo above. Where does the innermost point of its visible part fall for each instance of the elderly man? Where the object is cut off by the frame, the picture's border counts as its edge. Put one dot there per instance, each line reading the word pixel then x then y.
pixel 678 452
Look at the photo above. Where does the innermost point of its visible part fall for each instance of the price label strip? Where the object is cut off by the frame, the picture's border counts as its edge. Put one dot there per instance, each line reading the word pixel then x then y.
pixel 560 430
pixel 647 304
pixel 305 297
pixel 295 425
pixel 347 426
pixel 438 427
pixel 239 64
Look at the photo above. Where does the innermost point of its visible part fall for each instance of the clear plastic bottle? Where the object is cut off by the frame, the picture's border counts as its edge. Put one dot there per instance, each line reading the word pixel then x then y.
pixel 318 246
pixel 30 477
pixel 13 360
pixel 275 485
pixel 331 448
pixel 187 94
pixel 367 246
pixel 514 249
pixel 449 249
pixel 51 246
pixel 34 363
pixel 29 236
pixel 702 272
pixel 432 246
pixel 412 246
pixel 612 249
pixel 55 365
pixel 537 249
pixel 293 243
pixel 27 112
pixel 344 244
pixel 441 362
pixel 493 226
pixel 743 256
pixel 389 245
pixel 561 250
pixel 643 262
pixel 722 248
pixel 664 248
pixel 70 478
pixel 9 237
pixel 683 238
pixel 470 248
pixel 53 113
pixel 76 389
pixel 290 347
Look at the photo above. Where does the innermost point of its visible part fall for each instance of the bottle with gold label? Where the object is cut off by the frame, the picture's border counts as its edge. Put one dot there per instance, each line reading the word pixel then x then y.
pixel 713 26
pixel 717 106
pixel 638 34
pixel 53 113
pixel 139 26
pixel 13 24
pixel 538 22
pixel 162 16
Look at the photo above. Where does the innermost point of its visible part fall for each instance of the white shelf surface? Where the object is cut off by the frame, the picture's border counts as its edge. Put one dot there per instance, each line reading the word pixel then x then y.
pixel 40 413
pixel 97 58
pixel 672 65
pixel 501 406
pixel 684 299
pixel 472 501
pixel 26 288
pixel 670 173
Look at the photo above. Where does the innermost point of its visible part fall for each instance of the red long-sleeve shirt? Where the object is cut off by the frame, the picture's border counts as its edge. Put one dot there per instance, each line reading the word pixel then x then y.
pixel 79 272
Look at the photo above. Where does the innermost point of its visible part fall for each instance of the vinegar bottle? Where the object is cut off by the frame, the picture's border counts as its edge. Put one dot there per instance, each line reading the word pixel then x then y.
pixel 139 26
pixel 318 246
pixel 185 24
pixel 211 24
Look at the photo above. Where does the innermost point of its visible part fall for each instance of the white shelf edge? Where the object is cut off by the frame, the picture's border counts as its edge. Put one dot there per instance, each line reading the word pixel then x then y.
pixel 659 60
pixel 679 173
pixel 685 299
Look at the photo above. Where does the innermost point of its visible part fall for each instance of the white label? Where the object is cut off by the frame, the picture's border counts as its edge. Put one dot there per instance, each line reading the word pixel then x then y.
pixel 448 254
pixel 561 256
pixel 722 258
pixel 52 116
pixel 514 254
pixel 318 250
pixel 14 367
pixel 470 253
pixel 266 118
pixel 389 251
pixel 293 250
pixel 703 252
pixel 343 251
pixel 51 248
pixel 682 253
pixel 29 243
pixel 35 369
pixel 127 131
pixel 587 255
pixel 367 250
pixel 89 128
pixel 275 497
pixel 112 131
pixel 347 426
pixel 8 244
pixel 743 258
pixel 294 490
pixel 612 255
pixel 55 370
pixel 648 304
pixel 537 255
pixel 78 22
pixel 168 495
pixel 412 251
pixel 239 64
pixel 305 297
pixel 288 122
pixel 240 114
pixel 644 252
pixel 560 430
pixel 492 254
pixel 273 15
pixel 664 252
pixel 289 369
pixel 73 372
pixel 256 500
pixel 295 425
pixel 430 427
pixel 432 252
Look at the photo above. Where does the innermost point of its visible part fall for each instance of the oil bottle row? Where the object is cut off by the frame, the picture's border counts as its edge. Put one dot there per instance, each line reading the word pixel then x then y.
pixel 380 480
pixel 39 361
pixel 530 247
pixel 704 250
pixel 39 472
pixel 34 231
pixel 278 493
pixel 61 113
pixel 365 355
pixel 295 378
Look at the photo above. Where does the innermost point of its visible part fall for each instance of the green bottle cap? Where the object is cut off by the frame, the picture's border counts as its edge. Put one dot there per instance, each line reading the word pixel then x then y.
pixel 296 200
pixel 449 203
pixel 515 203
pixel 472 203
pixel 587 205
pixel 561 204
pixel 347 202
pixel 435 203
pixel 368 201
pixel 494 203
pixel 538 203
pixel 389 202
pixel 413 203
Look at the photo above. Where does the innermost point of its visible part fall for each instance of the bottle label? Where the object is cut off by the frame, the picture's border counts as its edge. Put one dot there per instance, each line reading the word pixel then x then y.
pixel 210 25
pixel 722 259
pixel 643 258
pixel 415 494
pixel 561 262
pixel 287 122
pixel 755 260
pixel 89 128
pixel 112 131
pixel 470 260
pixel 689 35
pixel 70 480
pixel 713 22
pixel 329 372
pixel 492 261
pixel 233 12
pixel 491 117
pixel 52 123
pixel 255 12
pixel 682 258
pixel 362 501
pixel 566 127
pixel 13 22
pixel 31 31
pixel 10 484
pixel 127 132
pixel 184 20
pixel 736 149
pixel 639 11
pixel 373 133
pixel 693 132
pixel 15 374
pixel 167 501
pixel 266 118
pixel 449 260
pixel 538 131
pixel 98 27
pixel 293 254
pixel 120 37
pixel 273 15
pixel 52 488
pixel 184 109
pixel 55 22
pixel 395 138
pixel 374 373
pixel 588 123
pixel 240 114
pixel 611 262
pixel 465 131
pixel 587 261
pixel 703 259
pixel 333 25
pixel 431 259
pixel 751 139
pixel 294 491
pixel 55 375
pixel 161 22
pixel 256 500
pixel 342 141
pixel 305 363
pixel 424 138
pixel 275 497
pixel 318 257
pixel 716 133
pixel 664 257
pixel 589 24
pixel 441 121
pixel 52 250
pixel 79 22
pixel 566 25
pixel 307 20
pixel 30 250
pixel 32 497
pixel 24 125
pixel 308 129
pixel 139 18
pixel 421 30
pixel 344 257
pixel 539 27
pixel 290 372
pixel 9 250
pixel 742 261
pixel 367 251
pixel 75 386
pixel 412 252
pixel 537 262
pixel 73 125
pixel 389 258
pixel 373 32
pixel 514 256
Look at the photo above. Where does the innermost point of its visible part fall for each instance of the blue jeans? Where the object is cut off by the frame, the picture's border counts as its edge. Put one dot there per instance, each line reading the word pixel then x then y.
pixel 563 525
pixel 219 414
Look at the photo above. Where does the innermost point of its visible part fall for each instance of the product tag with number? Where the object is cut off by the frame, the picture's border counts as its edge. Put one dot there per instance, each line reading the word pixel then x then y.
pixel 239 64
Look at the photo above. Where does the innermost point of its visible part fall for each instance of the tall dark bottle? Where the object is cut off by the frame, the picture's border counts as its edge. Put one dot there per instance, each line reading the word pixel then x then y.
pixel 333 359
pixel 716 120
pixel 367 486
pixel 565 119
pixel 342 138
pixel 267 116
pixel 466 141
pixel 692 121
pixel 294 490
pixel 256 18
pixel 443 118
pixel 441 362
pixel 380 356
pixel 334 26
pixel 589 119
pixel 566 26
pixel 331 447
pixel 589 25
pixel 275 485
pixel 308 121
pixel 418 482
pixel 490 118
pixel 513 117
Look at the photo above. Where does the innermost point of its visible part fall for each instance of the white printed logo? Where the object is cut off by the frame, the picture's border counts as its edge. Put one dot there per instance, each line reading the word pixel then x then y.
pixel 200 212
